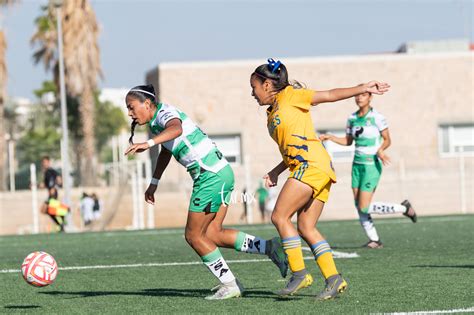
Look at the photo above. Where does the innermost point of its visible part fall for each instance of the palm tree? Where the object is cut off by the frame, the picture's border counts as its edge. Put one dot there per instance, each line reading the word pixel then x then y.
pixel 81 65
pixel 3 84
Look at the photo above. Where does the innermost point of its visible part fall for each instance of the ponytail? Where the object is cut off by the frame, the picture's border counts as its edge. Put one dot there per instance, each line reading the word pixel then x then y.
pixel 276 72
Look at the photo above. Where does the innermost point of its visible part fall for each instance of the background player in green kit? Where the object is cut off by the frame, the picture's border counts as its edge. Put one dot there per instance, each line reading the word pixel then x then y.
pixel 213 183
pixel 367 128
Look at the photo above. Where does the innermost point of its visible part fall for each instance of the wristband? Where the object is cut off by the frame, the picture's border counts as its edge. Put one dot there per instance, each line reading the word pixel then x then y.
pixel 150 142
pixel 154 181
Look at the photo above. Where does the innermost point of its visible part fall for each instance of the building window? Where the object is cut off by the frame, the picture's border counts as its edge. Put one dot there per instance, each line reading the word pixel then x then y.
pixel 338 153
pixel 456 139
pixel 230 146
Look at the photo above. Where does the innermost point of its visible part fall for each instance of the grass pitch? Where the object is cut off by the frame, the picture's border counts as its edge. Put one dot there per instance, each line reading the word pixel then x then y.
pixel 424 267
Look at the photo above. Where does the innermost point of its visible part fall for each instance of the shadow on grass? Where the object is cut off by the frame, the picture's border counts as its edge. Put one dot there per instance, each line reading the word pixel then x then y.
pixel 22 307
pixel 444 266
pixel 168 292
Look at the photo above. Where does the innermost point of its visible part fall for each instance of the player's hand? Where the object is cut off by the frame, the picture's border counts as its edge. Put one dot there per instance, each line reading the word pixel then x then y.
pixel 149 194
pixel 384 158
pixel 324 137
pixel 376 87
pixel 137 148
pixel 271 179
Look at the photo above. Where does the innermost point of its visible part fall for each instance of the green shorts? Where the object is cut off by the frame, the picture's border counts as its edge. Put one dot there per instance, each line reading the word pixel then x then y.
pixel 211 190
pixel 366 177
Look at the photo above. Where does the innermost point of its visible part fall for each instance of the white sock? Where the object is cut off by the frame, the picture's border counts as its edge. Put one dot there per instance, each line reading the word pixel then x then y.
pixel 250 244
pixel 386 208
pixel 369 227
pixel 218 266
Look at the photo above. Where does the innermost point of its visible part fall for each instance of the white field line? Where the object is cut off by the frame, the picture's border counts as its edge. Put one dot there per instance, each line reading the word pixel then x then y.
pixel 461 310
pixel 421 220
pixel 189 263
pixel 336 254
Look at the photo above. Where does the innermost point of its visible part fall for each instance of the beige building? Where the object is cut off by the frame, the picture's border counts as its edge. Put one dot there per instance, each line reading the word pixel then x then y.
pixel 429 110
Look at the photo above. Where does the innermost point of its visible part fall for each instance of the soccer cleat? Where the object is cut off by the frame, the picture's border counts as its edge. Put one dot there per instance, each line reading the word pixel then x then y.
pixel 335 285
pixel 227 291
pixel 295 284
pixel 410 211
pixel 374 245
pixel 275 252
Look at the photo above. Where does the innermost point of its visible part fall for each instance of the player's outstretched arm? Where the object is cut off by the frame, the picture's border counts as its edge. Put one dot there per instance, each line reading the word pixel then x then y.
pixel 338 94
pixel 173 129
pixel 161 164
pixel 347 140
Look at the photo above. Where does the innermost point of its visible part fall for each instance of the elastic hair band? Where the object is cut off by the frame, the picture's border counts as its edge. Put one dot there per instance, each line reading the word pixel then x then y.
pixel 274 65
pixel 138 90
pixel 264 76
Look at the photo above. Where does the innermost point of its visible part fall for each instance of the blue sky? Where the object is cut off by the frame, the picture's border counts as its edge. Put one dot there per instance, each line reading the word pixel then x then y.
pixel 137 35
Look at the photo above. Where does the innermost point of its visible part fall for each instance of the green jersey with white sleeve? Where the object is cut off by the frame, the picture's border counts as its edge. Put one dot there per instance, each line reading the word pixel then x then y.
pixel 193 149
pixel 366 132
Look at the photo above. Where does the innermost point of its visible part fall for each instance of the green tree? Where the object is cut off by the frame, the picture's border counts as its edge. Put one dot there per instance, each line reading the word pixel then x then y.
pixel 43 136
pixel 3 84
pixel 81 63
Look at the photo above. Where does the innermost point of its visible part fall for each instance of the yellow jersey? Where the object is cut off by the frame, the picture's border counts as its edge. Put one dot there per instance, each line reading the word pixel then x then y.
pixel 290 125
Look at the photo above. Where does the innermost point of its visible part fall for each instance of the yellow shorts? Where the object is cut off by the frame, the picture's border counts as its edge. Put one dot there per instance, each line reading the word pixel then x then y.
pixel 315 178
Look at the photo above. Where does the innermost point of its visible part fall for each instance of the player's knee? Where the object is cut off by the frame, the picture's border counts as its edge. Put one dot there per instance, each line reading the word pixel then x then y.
pixel 214 234
pixel 278 219
pixel 305 229
pixel 192 238
pixel 302 229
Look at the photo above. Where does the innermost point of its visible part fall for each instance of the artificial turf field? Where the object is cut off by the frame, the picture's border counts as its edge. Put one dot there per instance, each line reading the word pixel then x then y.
pixel 425 266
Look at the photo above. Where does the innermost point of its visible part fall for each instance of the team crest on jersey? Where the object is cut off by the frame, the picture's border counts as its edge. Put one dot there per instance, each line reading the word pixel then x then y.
pixel 273 124
pixel 358 131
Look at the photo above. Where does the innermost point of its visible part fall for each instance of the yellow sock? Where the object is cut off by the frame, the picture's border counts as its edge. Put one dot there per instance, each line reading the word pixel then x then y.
pixel 292 248
pixel 323 255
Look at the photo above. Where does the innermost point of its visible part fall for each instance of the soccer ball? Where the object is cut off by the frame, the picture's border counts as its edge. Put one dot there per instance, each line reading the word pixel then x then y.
pixel 39 269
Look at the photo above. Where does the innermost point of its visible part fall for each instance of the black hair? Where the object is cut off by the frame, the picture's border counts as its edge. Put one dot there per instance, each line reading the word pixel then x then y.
pixel 278 76
pixel 142 93
pixel 53 193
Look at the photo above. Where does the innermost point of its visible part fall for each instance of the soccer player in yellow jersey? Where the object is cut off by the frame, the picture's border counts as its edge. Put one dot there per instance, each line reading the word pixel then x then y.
pixel 311 173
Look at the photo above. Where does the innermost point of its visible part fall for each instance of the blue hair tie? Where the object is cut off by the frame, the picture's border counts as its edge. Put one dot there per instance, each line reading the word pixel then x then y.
pixel 274 65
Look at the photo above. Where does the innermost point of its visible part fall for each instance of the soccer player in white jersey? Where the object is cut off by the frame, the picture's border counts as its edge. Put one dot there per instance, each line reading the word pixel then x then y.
pixel 213 180
pixel 369 130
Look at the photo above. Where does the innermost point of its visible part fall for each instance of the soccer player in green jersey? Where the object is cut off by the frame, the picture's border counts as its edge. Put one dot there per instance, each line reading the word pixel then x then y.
pixel 368 129
pixel 213 181
pixel 262 193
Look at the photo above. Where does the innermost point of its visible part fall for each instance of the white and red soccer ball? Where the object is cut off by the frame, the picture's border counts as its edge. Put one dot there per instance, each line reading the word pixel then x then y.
pixel 39 269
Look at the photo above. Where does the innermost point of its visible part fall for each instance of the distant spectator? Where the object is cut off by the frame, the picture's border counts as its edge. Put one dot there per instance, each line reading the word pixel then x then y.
pixel 262 194
pixel 244 215
pixel 97 210
pixel 51 178
pixel 87 209
pixel 56 210
pixel 271 200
